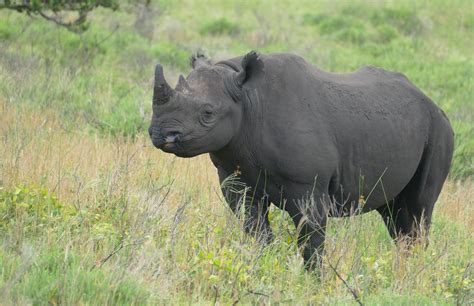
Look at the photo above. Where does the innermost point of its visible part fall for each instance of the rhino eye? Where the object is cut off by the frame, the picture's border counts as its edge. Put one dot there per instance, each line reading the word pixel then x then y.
pixel 207 116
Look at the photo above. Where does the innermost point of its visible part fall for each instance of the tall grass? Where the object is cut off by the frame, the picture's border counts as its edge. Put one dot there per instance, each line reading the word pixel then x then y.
pixel 92 219
pixel 103 78
pixel 90 213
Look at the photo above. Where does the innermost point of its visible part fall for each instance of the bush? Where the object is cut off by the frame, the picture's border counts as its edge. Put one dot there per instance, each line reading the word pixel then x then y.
pixel 313 19
pixel 42 9
pixel 344 29
pixel 168 53
pixel 463 160
pixel 6 30
pixel 61 277
pixel 30 207
pixel 383 25
pixel 386 33
pixel 405 20
pixel 221 26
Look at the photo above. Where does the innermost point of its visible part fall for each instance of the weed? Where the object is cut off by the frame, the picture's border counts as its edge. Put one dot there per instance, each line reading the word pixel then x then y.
pixel 91 213
pixel 220 26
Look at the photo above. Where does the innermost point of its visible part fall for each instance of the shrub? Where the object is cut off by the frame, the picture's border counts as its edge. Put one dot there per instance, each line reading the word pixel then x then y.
pixel 6 30
pixel 30 207
pixel 403 19
pixel 61 277
pixel 313 19
pixel 42 9
pixel 220 26
pixel 168 53
pixel 344 29
pixel 463 160
pixel 386 33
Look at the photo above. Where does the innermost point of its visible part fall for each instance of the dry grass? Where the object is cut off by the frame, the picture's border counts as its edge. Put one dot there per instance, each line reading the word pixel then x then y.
pixel 159 221
pixel 457 203
pixel 38 150
pixel 91 218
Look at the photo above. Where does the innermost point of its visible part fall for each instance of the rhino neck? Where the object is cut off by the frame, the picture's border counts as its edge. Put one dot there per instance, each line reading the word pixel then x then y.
pixel 242 149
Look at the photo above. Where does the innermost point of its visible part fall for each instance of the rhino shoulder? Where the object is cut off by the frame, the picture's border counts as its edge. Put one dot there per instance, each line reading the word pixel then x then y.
pixel 378 71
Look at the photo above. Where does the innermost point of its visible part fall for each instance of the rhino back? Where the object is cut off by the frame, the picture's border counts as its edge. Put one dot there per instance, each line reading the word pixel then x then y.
pixel 354 130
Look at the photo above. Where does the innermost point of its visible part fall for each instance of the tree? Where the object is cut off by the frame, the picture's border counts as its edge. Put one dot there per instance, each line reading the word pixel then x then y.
pixel 57 10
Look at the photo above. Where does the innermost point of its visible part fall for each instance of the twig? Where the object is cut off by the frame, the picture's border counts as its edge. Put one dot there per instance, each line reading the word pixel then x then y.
pixel 459 297
pixel 105 259
pixel 216 294
pixel 68 25
pixel 83 8
pixel 249 292
pixel 120 246
pixel 176 220
pixel 351 290
pixel 257 293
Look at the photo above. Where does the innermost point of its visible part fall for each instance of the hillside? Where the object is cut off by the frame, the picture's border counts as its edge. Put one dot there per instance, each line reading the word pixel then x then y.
pixel 91 213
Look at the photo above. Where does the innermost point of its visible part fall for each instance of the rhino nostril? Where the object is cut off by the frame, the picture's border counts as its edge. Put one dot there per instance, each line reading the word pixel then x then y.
pixel 173 133
pixel 173 136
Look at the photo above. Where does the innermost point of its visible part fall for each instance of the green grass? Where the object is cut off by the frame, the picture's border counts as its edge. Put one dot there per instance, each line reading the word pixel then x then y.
pixel 220 26
pixel 91 214
pixel 63 256
pixel 58 277
pixel 102 78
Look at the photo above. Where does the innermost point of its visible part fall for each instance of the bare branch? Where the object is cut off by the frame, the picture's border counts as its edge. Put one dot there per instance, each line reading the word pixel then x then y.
pixel 72 25
pixel 351 290
pixel 81 7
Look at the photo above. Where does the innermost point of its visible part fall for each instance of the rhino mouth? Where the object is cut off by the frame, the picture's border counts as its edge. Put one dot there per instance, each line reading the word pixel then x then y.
pixel 178 144
pixel 169 147
pixel 167 143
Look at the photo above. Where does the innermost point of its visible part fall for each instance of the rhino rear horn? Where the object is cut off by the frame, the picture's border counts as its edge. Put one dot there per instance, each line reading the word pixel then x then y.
pixel 182 84
pixel 162 92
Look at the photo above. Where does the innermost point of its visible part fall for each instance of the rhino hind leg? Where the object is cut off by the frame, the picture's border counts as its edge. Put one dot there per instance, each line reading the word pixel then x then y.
pixel 406 224
pixel 408 216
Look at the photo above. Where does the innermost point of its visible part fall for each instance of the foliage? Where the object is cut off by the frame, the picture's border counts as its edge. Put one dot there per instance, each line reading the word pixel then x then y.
pixel 464 153
pixel 220 26
pixel 191 256
pixel 60 277
pixel 31 207
pixel 90 213
pixel 384 24
pixel 171 54
pixel 41 7
pixel 126 224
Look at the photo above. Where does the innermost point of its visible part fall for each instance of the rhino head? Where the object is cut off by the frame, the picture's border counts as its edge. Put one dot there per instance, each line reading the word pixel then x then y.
pixel 204 112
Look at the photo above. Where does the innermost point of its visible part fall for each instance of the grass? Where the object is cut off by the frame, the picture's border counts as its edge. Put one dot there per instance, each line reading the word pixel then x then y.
pixel 90 213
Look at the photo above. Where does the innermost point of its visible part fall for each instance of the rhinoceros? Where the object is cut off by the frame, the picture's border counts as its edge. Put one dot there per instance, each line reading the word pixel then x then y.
pixel 314 143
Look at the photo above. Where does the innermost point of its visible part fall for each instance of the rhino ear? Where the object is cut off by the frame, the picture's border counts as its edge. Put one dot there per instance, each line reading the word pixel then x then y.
pixel 182 84
pixel 198 60
pixel 252 65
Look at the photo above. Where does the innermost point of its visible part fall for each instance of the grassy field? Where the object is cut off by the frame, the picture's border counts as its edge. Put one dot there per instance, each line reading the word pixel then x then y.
pixel 91 213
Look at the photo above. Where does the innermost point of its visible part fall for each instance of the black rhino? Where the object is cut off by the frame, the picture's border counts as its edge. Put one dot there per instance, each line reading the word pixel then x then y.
pixel 314 143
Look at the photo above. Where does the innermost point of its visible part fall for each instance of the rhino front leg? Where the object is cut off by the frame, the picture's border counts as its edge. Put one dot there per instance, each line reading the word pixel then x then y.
pixel 310 217
pixel 311 238
pixel 254 205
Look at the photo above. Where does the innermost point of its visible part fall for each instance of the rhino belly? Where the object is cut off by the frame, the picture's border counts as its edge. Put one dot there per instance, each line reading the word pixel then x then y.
pixel 376 168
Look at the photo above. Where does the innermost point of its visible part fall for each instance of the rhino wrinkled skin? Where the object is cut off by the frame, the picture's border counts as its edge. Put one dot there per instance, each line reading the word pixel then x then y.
pixel 313 143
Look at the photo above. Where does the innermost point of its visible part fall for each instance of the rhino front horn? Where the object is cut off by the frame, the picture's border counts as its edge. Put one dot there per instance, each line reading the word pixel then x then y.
pixel 162 91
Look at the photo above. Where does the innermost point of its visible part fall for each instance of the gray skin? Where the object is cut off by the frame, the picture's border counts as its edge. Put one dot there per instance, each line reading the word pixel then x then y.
pixel 314 143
